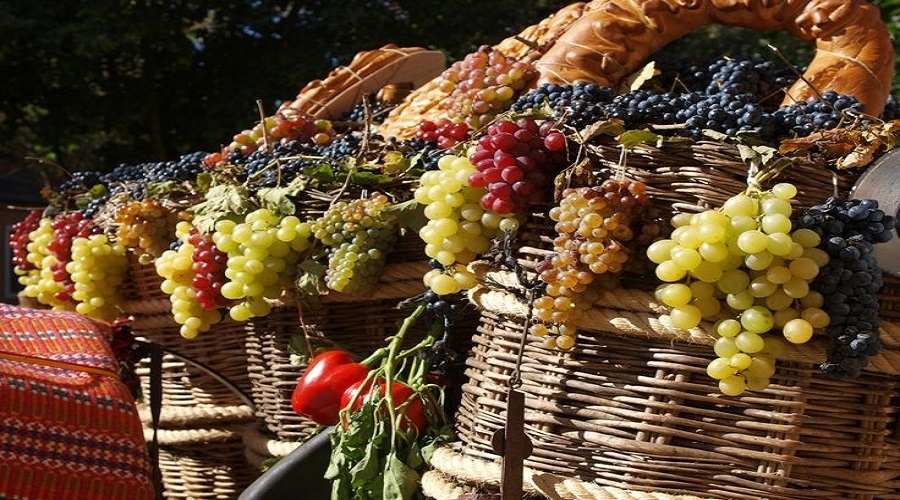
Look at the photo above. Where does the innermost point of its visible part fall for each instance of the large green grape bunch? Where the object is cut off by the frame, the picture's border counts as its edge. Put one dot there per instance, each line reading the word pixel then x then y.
pixel 744 266
pixel 358 234
pixel 459 228
pixel 263 251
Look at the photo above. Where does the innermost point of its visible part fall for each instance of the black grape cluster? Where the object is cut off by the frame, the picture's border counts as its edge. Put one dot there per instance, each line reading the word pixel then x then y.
pixel 804 118
pixel 578 105
pixel 851 279
pixel 285 162
pixel 727 95
pixel 128 178
pixel 369 110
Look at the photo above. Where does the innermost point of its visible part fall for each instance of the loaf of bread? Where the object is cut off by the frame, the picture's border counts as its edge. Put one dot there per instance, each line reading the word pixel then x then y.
pixel 854 53
pixel 368 72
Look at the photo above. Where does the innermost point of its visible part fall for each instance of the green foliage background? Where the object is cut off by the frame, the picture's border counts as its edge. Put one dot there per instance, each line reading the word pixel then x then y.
pixel 91 84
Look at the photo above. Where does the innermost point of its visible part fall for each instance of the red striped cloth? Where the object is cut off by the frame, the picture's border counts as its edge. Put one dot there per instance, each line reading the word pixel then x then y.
pixel 69 428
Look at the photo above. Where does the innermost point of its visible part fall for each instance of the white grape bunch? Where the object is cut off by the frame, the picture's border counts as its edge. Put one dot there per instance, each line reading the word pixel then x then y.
pixel 98 267
pixel 263 251
pixel 459 229
pixel 745 262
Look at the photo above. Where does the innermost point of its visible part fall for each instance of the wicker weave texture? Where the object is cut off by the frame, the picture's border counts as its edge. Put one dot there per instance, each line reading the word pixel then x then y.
pixel 642 414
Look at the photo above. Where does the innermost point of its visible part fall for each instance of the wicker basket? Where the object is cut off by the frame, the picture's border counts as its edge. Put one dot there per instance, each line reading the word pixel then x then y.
pixel 260 447
pixel 632 408
pixel 201 452
pixel 205 370
pixel 889 298
pixel 357 325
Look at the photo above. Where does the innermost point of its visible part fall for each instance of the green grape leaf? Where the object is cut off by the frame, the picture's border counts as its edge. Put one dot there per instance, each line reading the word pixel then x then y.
pixel 204 181
pixel 277 200
pixel 161 188
pixel 320 174
pixel 311 280
pixel 368 178
pixel 394 163
pixel 632 138
pixel 222 201
pixel 410 214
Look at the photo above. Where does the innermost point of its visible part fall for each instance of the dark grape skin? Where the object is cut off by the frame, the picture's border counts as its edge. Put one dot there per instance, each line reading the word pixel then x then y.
pixel 728 95
pixel 851 279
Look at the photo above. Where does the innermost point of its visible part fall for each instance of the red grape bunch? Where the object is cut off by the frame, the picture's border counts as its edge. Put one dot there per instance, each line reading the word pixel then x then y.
pixel 515 160
pixel 484 84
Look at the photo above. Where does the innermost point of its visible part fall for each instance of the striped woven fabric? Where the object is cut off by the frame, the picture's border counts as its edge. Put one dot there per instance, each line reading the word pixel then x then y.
pixel 69 428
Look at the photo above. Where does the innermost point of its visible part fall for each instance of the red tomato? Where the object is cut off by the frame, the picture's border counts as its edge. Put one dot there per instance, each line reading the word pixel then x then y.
pixel 318 392
pixel 402 395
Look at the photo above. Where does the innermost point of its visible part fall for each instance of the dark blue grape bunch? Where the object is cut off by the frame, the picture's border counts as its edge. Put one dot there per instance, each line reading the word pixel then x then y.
pixel 851 280
pixel 81 181
pixel 423 154
pixel 891 109
pixel 579 104
pixel 723 112
pixel 832 110
pixel 644 107
pixel 369 108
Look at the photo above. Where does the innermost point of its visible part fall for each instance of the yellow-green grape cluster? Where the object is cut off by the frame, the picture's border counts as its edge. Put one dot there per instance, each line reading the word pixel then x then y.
pixel 359 234
pixel 97 268
pixel 743 258
pixel 38 282
pixel 176 267
pixel 263 251
pixel 594 225
pixel 483 84
pixel 458 228
pixel 147 226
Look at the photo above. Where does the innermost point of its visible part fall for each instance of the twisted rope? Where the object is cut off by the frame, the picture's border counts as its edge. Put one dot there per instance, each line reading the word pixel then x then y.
pixel 451 467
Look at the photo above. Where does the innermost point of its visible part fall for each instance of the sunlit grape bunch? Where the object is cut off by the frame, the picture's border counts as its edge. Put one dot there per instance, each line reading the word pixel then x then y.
pixel 359 235
pixel 483 84
pixel 594 226
pixel 39 282
pixel 97 269
pixel 515 161
pixel 49 251
pixel 176 267
pixel 18 241
pixel 147 226
pixel 746 262
pixel 284 126
pixel 459 228
pixel 263 251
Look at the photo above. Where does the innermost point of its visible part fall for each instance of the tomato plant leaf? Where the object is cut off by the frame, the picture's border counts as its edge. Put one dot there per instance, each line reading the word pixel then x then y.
pixel 400 482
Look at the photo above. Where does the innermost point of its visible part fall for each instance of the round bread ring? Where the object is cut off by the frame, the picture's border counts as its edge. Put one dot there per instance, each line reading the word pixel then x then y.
pixel 854 53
